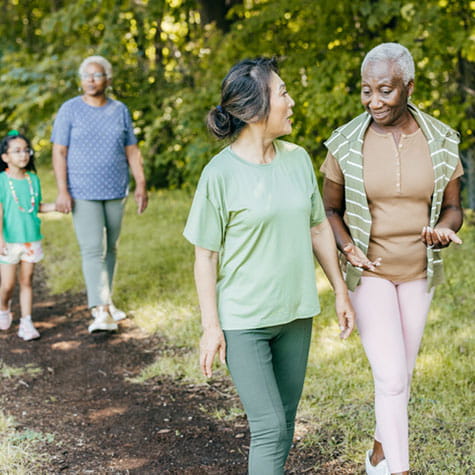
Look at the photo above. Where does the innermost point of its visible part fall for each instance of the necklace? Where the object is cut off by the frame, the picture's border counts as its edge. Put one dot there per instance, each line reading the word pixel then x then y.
pixel 15 197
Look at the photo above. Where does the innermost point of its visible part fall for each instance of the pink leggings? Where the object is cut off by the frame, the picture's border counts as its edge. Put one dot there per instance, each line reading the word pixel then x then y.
pixel 391 319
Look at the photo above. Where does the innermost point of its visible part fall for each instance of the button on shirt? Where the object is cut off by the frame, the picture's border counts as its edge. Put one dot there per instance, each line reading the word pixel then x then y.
pixel 399 182
pixel 96 137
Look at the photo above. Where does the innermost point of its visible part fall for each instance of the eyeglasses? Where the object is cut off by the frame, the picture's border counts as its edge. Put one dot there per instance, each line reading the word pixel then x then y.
pixel 27 151
pixel 95 76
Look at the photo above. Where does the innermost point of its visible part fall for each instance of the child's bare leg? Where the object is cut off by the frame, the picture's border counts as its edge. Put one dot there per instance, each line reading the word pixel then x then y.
pixel 7 284
pixel 26 288
pixel 26 329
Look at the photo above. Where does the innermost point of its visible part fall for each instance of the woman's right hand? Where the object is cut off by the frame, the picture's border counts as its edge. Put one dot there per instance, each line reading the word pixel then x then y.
pixel 212 343
pixel 357 257
pixel 64 202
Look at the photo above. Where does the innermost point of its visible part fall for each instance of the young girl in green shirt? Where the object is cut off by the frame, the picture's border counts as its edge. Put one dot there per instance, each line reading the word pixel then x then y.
pixel 20 234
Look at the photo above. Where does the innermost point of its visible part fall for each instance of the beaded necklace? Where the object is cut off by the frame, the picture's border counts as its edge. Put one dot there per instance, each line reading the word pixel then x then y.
pixel 15 197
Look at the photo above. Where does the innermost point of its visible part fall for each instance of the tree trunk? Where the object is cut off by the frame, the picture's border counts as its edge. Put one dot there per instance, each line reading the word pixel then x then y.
pixel 468 158
pixel 216 11
pixel 467 72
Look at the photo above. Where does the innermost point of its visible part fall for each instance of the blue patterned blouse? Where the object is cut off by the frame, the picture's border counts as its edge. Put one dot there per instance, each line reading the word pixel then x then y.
pixel 96 138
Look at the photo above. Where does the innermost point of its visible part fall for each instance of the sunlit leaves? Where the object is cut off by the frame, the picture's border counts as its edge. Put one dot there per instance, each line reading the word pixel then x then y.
pixel 168 64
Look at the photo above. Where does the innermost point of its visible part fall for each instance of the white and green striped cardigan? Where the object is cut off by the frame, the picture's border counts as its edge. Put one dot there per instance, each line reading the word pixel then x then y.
pixel 346 145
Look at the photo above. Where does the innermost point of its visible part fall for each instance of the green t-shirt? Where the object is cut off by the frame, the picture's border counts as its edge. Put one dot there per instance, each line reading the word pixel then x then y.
pixel 258 218
pixel 20 226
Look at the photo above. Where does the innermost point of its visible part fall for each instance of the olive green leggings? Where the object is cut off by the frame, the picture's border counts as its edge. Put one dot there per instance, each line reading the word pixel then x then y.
pixel 268 368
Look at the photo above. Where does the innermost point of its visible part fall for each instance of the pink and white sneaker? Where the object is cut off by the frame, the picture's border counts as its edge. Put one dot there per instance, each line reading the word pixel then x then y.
pixel 5 319
pixel 27 330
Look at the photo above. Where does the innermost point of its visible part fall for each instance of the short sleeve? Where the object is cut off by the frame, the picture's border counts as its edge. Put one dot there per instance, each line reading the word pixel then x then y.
pixel 205 225
pixel 318 210
pixel 61 134
pixel 130 138
pixel 331 169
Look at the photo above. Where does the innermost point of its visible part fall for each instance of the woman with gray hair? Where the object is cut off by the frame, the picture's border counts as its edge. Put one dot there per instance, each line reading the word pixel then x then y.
pixel 392 196
pixel 93 148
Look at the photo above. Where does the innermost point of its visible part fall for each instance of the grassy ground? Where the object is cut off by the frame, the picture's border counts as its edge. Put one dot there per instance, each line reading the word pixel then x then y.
pixel 154 280
pixel 17 448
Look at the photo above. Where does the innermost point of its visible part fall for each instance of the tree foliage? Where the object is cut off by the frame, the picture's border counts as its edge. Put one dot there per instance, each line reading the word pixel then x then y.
pixel 169 58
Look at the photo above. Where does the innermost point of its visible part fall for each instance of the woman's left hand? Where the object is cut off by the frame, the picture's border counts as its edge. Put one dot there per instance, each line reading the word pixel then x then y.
pixel 141 198
pixel 439 237
pixel 134 157
pixel 212 342
pixel 346 315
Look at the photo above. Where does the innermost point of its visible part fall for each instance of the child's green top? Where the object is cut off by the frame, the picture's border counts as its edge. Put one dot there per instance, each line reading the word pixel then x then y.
pixel 20 226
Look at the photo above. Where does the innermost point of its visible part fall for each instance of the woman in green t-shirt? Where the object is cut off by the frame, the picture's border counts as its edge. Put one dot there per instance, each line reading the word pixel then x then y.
pixel 256 218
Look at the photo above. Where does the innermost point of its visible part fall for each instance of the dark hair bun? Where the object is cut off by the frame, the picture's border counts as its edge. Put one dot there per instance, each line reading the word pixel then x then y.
pixel 245 96
pixel 220 122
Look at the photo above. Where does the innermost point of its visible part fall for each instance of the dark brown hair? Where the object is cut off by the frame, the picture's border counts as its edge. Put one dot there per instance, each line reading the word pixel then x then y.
pixel 5 143
pixel 245 96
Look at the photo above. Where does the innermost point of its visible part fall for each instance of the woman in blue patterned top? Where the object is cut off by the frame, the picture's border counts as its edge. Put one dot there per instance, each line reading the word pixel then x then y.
pixel 93 148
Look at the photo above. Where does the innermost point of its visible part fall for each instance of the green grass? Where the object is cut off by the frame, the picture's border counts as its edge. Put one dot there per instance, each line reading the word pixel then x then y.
pixel 338 394
pixel 16 372
pixel 155 281
pixel 18 454
pixel 227 414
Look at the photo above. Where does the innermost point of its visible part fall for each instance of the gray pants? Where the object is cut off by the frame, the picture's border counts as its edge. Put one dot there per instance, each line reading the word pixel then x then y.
pixel 97 225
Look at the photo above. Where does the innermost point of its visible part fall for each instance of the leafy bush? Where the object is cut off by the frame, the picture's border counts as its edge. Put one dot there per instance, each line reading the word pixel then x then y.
pixel 168 65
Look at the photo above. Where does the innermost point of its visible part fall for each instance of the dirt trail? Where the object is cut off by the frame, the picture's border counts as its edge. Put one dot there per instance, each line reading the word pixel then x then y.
pixel 101 422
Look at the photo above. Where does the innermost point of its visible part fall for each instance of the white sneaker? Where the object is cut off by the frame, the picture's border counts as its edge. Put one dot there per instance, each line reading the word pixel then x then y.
pixel 116 314
pixel 5 319
pixel 102 321
pixel 27 330
pixel 380 469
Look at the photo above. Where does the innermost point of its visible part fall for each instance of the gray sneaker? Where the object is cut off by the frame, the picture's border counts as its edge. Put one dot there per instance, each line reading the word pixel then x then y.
pixel 102 322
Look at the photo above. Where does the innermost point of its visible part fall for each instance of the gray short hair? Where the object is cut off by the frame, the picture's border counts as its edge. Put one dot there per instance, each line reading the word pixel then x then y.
pixel 395 53
pixel 97 60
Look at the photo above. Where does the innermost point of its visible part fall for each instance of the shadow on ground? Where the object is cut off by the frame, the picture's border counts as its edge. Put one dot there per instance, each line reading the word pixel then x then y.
pixel 94 420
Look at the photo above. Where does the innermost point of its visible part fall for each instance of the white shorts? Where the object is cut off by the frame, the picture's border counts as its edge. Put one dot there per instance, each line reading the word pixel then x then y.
pixel 26 252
